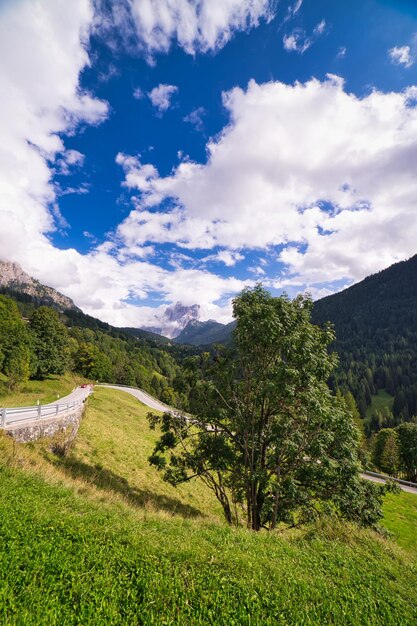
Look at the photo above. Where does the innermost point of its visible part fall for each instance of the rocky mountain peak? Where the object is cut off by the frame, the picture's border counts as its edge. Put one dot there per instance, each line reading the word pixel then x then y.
pixel 174 319
pixel 180 311
pixel 14 278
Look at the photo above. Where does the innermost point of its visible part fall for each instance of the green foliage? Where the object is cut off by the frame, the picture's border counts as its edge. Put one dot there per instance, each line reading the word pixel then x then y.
pixel 92 363
pixel 90 347
pixel 14 343
pixel 50 342
pixel 378 446
pixel 390 457
pixel 407 435
pixel 65 559
pixel 69 554
pixel 267 435
pixel 395 450
pixel 376 328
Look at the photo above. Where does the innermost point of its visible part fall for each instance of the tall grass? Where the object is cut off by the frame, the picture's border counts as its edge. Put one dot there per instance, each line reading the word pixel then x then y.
pixel 98 538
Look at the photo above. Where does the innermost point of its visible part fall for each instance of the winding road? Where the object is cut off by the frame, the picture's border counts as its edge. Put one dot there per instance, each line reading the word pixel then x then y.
pixel 30 414
pixel 143 397
pixel 155 404
pixel 17 415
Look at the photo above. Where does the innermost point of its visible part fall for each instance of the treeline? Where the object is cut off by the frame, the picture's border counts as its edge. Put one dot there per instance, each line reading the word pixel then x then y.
pixel 376 329
pixel 394 451
pixel 48 343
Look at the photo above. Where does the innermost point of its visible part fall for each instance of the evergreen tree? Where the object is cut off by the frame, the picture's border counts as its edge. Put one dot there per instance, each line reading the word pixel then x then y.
pixel 390 457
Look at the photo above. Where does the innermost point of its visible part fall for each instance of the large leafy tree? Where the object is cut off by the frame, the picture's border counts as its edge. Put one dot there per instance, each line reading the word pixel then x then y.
pixel 407 434
pixel 93 363
pixel 50 342
pixel 14 343
pixel 267 434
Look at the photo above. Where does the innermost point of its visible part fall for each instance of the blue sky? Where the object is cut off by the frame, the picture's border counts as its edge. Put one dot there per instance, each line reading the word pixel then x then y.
pixel 162 151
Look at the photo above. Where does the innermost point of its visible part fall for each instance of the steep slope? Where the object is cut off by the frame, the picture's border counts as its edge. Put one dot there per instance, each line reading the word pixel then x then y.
pixel 13 280
pixel 376 329
pixel 97 538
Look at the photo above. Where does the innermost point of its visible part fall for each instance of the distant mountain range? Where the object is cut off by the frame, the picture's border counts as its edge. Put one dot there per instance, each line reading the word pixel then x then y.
pixel 174 320
pixel 363 305
pixel 375 323
pixel 199 333
pixel 31 293
pixel 14 278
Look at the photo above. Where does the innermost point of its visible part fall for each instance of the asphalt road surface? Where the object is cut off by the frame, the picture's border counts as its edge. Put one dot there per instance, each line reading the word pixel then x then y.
pixel 143 397
pixel 31 413
pixel 376 479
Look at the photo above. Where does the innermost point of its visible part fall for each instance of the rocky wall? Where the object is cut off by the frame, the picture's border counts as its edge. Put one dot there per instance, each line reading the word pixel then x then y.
pixel 61 429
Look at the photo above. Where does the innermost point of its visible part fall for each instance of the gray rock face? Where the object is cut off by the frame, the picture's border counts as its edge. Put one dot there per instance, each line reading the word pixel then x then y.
pixel 13 277
pixel 174 320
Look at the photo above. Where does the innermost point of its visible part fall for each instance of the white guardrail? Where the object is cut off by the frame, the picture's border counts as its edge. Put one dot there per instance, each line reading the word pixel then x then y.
pixel 23 414
pixel 408 483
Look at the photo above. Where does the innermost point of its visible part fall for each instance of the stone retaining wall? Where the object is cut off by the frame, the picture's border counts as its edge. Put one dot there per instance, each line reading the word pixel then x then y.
pixel 62 429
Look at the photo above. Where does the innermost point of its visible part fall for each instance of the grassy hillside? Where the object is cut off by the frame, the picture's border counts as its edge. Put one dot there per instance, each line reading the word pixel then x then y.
pixel 98 538
pixel 111 453
pixel 43 390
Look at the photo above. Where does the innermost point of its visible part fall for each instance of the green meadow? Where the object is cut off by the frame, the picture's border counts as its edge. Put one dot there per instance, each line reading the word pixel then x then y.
pixel 98 538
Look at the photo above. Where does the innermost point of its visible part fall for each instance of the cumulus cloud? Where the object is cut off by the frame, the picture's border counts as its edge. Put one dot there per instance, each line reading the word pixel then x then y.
pixel 161 96
pixel 40 99
pixel 401 56
pixel 228 257
pixel 309 166
pixel 196 25
pixel 69 160
pixel 40 102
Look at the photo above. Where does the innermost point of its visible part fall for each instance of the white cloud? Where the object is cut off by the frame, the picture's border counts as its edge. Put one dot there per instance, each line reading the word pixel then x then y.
pixel 196 118
pixel 69 160
pixel 296 7
pixel 402 56
pixel 43 49
pixel 290 42
pixel 196 25
pixel 292 10
pixel 298 41
pixel 258 271
pixel 320 28
pixel 228 257
pixel 329 175
pixel 161 96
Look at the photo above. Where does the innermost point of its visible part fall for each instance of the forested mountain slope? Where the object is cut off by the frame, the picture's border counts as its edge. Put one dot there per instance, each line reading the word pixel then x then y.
pixel 37 341
pixel 376 330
